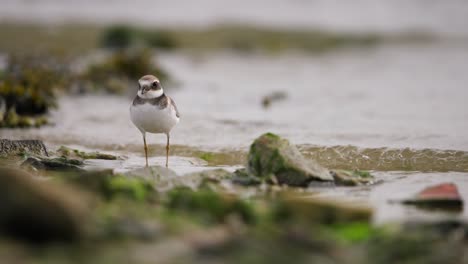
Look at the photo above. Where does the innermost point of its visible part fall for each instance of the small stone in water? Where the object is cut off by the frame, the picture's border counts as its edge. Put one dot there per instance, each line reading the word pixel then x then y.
pixel 442 196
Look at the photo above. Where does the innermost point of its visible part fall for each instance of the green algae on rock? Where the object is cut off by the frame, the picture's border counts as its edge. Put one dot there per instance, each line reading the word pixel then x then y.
pixel 75 153
pixel 271 155
pixel 351 178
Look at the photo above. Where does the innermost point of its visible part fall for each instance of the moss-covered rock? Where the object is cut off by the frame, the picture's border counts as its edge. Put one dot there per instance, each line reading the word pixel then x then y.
pixel 75 153
pixel 39 211
pixel 352 178
pixel 271 155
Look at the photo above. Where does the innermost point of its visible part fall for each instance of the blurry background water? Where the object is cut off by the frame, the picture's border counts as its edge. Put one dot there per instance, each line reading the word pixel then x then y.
pixel 446 17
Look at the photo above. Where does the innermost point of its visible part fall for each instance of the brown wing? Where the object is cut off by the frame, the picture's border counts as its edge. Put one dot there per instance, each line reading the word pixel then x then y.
pixel 173 104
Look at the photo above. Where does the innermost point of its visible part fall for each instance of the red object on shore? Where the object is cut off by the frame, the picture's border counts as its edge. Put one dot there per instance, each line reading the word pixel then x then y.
pixel 444 196
pixel 444 191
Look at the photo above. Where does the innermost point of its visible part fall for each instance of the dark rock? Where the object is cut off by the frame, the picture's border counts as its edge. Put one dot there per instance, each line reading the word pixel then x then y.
pixel 39 212
pixel 17 147
pixel 54 164
pixel 271 155
pixel 443 196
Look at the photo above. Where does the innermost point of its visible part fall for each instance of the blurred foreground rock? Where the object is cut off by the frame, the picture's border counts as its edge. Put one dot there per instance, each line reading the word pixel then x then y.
pixel 38 211
pixel 324 211
pixel 271 155
pixel 153 173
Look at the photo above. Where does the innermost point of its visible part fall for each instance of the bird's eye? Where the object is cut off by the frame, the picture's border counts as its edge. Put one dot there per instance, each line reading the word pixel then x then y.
pixel 155 84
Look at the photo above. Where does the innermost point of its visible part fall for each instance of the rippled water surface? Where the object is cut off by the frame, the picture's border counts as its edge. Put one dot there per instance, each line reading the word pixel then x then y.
pixel 390 96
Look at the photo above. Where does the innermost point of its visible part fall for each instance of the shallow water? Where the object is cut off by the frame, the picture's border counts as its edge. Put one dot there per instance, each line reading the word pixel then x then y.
pixel 389 108
pixel 396 186
pixel 390 96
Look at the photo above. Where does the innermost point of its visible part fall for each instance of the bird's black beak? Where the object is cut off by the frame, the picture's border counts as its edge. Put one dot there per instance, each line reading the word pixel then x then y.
pixel 144 89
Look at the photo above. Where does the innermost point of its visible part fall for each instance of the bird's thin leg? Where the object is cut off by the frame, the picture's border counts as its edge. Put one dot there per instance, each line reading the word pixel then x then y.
pixel 167 150
pixel 146 149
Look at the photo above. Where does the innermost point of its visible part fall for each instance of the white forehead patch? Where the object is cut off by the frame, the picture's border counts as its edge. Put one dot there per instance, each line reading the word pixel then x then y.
pixel 145 82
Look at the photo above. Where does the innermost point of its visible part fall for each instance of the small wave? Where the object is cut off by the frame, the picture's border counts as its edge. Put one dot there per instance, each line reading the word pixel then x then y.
pixel 388 159
pixel 332 157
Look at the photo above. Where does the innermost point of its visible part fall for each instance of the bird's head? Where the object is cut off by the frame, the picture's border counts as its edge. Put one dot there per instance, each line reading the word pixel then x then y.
pixel 149 87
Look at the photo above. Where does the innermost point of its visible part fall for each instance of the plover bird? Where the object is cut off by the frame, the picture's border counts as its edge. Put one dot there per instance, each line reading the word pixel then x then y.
pixel 154 112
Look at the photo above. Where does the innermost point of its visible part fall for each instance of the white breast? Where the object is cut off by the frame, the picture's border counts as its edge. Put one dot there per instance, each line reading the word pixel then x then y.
pixel 149 118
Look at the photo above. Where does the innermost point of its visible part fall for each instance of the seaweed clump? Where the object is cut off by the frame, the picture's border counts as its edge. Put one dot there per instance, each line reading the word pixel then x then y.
pixel 119 70
pixel 28 90
pixel 124 37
